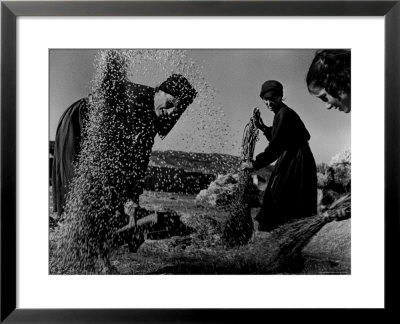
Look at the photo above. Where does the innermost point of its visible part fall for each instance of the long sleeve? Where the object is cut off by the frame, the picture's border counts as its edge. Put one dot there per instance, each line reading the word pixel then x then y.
pixel 287 131
pixel 140 118
pixel 142 149
pixel 275 148
pixel 267 132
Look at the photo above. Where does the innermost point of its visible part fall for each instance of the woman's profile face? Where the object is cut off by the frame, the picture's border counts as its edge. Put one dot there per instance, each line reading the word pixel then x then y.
pixel 163 103
pixel 273 103
pixel 342 103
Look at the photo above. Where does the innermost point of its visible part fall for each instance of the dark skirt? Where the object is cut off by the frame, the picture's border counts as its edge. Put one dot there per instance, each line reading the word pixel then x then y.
pixel 292 189
pixel 66 148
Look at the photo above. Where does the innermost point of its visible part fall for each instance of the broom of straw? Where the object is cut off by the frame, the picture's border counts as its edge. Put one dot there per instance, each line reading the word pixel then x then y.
pixel 239 226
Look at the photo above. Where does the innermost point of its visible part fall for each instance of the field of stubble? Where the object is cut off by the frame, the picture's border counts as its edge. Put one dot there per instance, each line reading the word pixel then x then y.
pixel 328 252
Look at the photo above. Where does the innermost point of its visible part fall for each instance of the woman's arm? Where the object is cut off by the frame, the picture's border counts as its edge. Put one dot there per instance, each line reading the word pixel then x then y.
pixel 278 135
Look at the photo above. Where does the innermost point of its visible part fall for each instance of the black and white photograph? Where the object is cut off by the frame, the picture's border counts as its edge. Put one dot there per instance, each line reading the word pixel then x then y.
pixel 199 161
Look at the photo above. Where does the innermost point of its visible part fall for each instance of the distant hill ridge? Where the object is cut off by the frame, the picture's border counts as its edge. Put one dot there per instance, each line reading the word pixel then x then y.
pixel 210 163
pixel 206 163
pixel 179 171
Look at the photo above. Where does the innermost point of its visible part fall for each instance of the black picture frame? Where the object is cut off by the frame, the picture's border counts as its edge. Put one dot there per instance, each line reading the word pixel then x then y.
pixel 11 10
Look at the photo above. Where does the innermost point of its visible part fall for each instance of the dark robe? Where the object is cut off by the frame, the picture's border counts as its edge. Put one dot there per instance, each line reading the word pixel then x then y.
pixel 66 149
pixel 140 121
pixel 292 188
pixel 139 116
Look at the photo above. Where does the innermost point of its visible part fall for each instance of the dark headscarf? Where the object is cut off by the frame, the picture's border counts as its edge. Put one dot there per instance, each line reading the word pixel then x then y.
pixel 179 87
pixel 271 88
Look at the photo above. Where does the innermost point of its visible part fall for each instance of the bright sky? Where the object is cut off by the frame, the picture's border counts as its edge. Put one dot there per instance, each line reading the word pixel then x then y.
pixel 236 75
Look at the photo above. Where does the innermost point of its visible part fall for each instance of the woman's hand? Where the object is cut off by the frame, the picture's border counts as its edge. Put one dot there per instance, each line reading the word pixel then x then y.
pixel 258 122
pixel 248 165
pixel 130 209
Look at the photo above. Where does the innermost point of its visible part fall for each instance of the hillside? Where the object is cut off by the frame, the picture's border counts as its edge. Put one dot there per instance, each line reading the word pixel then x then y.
pixel 210 163
pixel 189 172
